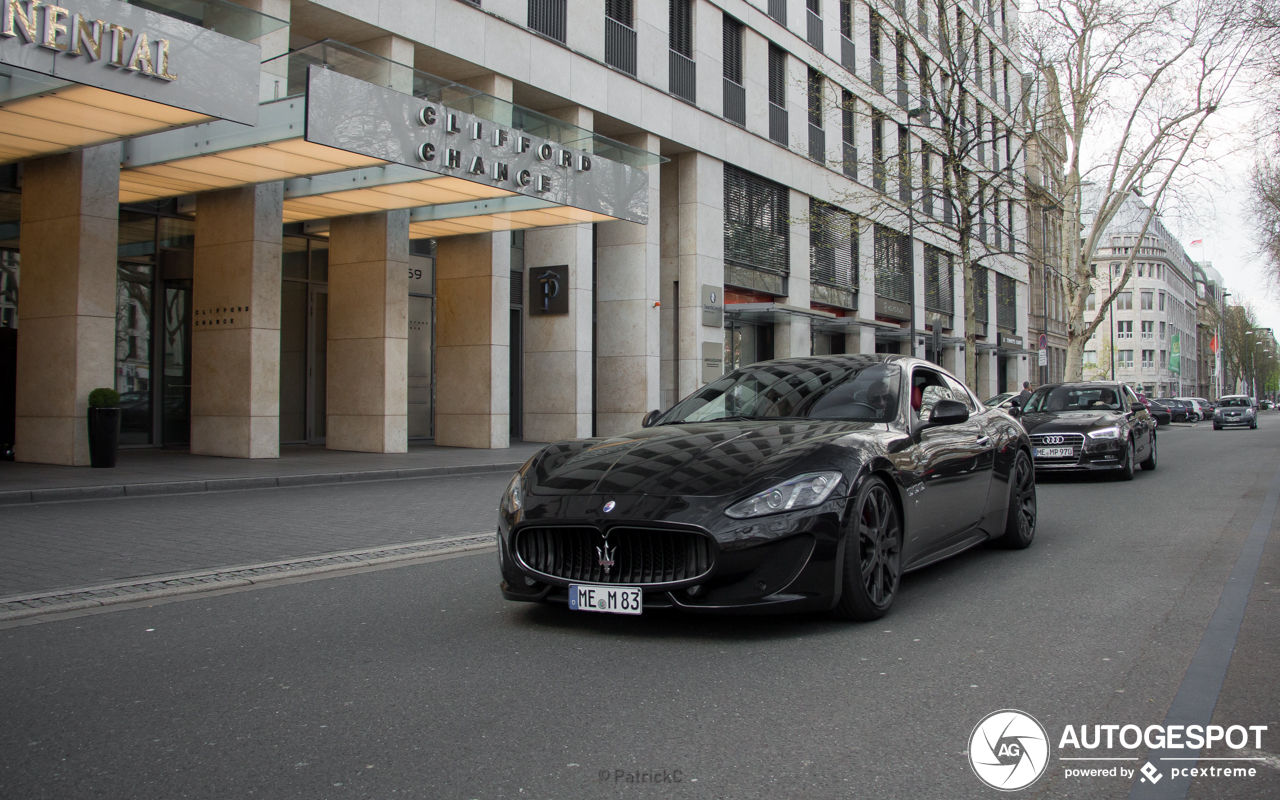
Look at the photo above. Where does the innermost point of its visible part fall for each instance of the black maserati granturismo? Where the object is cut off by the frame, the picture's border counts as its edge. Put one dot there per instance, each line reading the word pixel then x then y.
pixel 803 484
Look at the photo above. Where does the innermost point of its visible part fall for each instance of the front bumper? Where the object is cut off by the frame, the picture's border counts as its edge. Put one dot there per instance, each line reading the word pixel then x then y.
pixel 1102 456
pixel 1224 422
pixel 784 563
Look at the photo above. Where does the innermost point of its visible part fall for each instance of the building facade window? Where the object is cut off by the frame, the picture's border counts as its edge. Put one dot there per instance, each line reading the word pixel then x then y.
pixel 1006 302
pixel 549 18
pixel 847 133
pixel 1148 329
pixel 735 93
pixel 1124 329
pixel 1124 358
pixel 893 264
pixel 817 136
pixel 833 254
pixel 682 81
pixel 620 35
pixel 1146 298
pixel 939 292
pixel 756 232
pixel 1148 359
pixel 1124 301
pixel 778 94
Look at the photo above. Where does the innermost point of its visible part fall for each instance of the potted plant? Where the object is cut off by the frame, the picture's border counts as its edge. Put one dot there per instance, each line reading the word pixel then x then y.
pixel 104 427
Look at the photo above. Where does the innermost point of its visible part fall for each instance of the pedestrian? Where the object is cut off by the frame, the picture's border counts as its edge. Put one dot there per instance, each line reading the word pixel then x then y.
pixel 1024 395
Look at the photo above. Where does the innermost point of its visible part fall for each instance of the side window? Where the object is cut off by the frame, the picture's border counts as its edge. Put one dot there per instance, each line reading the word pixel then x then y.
pixel 927 388
pixel 958 392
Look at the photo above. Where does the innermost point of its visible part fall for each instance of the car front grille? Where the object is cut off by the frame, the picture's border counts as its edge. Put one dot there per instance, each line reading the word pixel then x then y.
pixel 639 555
pixel 1073 440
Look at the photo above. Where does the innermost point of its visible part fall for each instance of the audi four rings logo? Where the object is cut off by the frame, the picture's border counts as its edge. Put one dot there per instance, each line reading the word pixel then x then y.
pixel 1009 750
pixel 1053 440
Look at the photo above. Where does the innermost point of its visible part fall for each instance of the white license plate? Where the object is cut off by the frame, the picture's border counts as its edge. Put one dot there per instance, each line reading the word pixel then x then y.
pixel 1054 452
pixel 608 599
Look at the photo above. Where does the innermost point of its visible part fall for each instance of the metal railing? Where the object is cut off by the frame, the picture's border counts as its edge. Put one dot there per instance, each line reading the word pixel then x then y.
pixel 778 124
pixel 619 46
pixel 904 96
pixel 817 144
pixel 850 160
pixel 877 75
pixel 735 103
pixel 549 18
pixel 778 10
pixel 683 81
pixel 815 29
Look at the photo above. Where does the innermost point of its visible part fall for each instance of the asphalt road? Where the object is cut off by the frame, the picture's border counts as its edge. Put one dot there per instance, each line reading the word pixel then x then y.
pixel 420 682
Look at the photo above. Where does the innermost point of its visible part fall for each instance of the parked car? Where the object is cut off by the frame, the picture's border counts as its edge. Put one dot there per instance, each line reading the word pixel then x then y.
pixel 1091 426
pixel 1235 409
pixel 1003 400
pixel 1180 410
pixel 1158 410
pixel 802 484
pixel 1267 405
pixel 1202 411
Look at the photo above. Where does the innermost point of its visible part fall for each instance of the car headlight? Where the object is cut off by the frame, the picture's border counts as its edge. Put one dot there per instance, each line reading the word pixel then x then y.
pixel 802 491
pixel 513 497
pixel 1106 433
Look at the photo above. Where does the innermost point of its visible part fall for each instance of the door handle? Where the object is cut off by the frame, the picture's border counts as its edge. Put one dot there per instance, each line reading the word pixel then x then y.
pixel 983 441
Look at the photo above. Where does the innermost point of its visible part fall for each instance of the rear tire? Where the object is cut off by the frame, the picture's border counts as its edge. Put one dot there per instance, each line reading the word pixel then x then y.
pixel 1020 521
pixel 872 554
pixel 1150 462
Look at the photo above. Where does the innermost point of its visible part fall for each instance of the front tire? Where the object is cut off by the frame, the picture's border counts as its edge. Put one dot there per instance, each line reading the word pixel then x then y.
pixel 1150 462
pixel 872 554
pixel 1126 471
pixel 1020 521
pixel 1217 427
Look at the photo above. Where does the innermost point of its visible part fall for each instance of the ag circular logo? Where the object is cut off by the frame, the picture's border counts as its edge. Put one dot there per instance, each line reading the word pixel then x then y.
pixel 1009 750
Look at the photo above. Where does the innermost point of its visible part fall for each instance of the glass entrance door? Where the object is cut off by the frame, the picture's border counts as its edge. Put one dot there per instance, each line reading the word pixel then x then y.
pixel 175 388
pixel 317 361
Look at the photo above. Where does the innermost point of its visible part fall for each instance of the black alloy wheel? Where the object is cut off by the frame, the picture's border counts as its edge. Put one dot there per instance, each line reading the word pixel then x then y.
pixel 872 554
pixel 1126 469
pixel 1149 463
pixel 1020 523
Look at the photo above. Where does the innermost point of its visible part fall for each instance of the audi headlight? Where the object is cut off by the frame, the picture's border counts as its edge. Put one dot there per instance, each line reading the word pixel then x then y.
pixel 1106 433
pixel 513 497
pixel 802 491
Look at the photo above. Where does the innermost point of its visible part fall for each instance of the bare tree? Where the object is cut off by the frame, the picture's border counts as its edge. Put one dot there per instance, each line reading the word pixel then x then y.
pixel 1137 85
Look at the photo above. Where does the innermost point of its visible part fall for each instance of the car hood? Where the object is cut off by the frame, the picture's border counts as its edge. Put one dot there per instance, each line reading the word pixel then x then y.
pixel 1069 421
pixel 700 459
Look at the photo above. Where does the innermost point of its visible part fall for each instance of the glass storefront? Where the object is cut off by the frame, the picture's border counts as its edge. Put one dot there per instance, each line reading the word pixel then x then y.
pixel 421 344
pixel 746 343
pixel 304 339
pixel 153 362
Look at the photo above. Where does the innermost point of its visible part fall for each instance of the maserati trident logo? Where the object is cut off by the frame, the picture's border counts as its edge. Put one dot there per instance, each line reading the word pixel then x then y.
pixel 609 506
pixel 605 552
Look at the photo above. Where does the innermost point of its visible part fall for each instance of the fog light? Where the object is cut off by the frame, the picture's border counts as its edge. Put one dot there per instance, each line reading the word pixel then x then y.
pixel 530 582
pixel 693 591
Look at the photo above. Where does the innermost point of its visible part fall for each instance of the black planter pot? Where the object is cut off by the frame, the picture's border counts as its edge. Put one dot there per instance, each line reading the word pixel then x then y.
pixel 104 436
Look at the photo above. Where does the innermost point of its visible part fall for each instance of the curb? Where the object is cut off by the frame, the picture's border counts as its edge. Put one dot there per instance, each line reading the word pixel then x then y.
pixel 68 494
pixel 83 598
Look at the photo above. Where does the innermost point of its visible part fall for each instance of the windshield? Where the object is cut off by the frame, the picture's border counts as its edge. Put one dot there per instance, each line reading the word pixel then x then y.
pixel 862 392
pixel 998 399
pixel 1235 402
pixel 1081 397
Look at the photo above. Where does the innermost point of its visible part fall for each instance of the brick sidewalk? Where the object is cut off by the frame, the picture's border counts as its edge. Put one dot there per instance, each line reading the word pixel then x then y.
pixel 56 546
pixel 150 472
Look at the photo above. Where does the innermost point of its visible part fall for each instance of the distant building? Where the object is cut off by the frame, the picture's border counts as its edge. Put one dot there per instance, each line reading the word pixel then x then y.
pixel 1149 338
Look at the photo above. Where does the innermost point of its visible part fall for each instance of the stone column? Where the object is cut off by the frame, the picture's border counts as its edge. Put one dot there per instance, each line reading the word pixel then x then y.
pixel 699 248
pixel 235 341
pixel 67 305
pixel 558 388
pixel 791 334
pixel 628 314
pixel 368 359
pixel 473 330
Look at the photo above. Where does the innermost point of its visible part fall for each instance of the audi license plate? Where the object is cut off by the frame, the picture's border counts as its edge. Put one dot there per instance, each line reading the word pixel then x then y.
pixel 1054 452
pixel 609 599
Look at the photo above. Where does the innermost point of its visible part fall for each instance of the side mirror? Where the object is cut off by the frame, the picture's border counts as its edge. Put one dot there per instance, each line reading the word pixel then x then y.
pixel 650 418
pixel 1015 409
pixel 948 412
